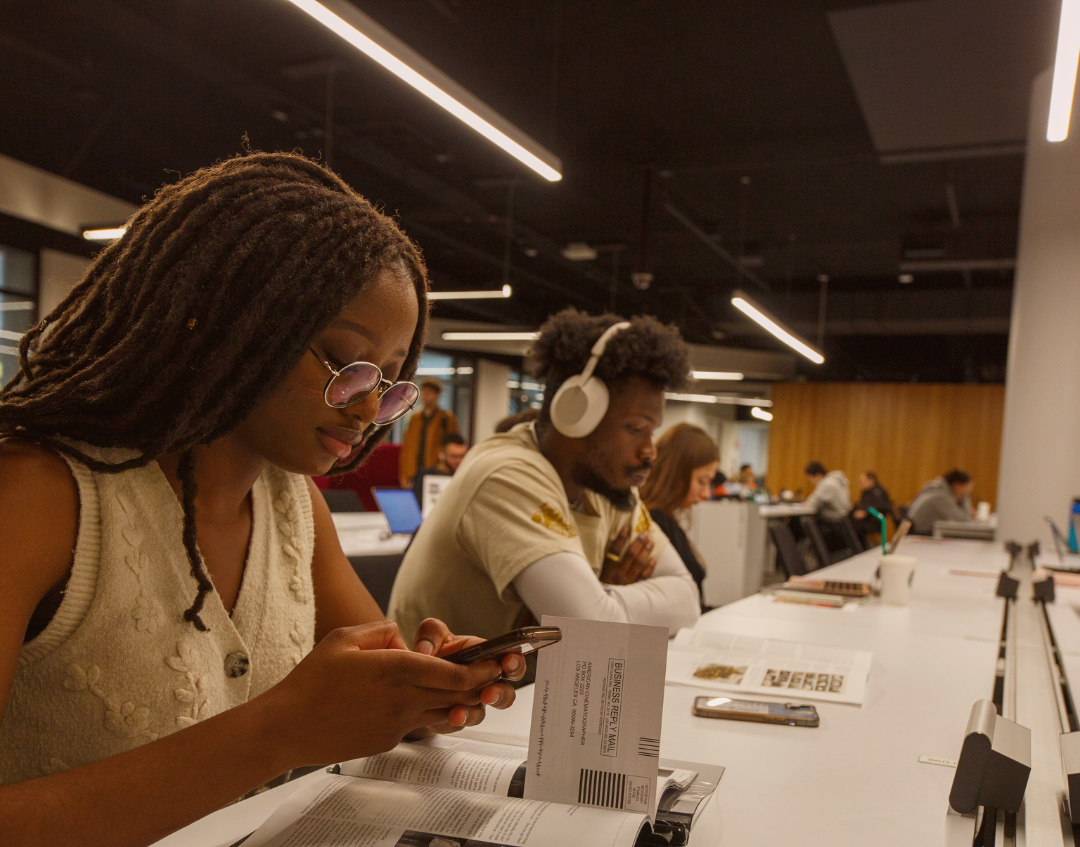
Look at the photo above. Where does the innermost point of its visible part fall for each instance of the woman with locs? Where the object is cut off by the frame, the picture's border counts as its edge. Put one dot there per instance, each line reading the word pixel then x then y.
pixel 178 624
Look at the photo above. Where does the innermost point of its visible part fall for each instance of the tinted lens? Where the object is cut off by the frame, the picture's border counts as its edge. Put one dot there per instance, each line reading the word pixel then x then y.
pixel 397 400
pixel 352 384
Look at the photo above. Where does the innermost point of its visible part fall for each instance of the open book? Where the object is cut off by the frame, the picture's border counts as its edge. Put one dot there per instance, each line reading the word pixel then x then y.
pixel 460 792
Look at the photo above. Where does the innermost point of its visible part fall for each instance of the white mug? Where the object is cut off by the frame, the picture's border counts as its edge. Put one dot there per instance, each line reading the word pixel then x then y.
pixel 982 511
pixel 897 573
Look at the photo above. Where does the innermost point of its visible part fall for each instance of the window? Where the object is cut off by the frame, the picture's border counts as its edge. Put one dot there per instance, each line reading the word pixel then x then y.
pixel 455 374
pixel 18 306
pixel 526 392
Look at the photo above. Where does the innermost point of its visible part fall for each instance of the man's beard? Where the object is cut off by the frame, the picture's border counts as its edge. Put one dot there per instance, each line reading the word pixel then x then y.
pixel 622 499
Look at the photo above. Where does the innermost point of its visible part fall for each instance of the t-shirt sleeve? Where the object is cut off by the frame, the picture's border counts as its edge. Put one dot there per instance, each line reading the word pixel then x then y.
pixel 516 517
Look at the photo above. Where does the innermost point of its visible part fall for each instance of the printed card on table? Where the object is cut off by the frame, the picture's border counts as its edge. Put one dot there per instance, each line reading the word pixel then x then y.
pixel 597 711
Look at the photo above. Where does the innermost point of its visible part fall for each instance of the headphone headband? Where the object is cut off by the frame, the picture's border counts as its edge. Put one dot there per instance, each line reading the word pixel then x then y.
pixel 600 345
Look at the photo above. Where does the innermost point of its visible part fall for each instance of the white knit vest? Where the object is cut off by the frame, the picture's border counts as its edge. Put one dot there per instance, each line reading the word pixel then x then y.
pixel 118 665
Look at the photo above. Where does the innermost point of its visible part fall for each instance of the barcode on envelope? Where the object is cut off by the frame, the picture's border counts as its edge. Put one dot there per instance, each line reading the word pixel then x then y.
pixel 601 788
pixel 649 747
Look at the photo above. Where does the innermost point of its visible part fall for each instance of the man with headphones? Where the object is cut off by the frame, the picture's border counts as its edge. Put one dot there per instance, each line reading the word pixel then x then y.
pixel 545 519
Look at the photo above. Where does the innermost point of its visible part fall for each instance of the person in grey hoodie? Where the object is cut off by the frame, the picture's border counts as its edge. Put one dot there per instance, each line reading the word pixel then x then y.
pixel 830 497
pixel 947 498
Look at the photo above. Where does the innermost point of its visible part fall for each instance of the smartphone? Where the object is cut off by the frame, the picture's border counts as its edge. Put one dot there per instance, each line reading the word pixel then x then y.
pixel 792 714
pixel 524 640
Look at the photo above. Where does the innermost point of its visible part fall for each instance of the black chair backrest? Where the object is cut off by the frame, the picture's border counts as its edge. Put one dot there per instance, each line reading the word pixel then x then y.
pixel 787 552
pixel 343 500
pixel 817 540
pixel 850 535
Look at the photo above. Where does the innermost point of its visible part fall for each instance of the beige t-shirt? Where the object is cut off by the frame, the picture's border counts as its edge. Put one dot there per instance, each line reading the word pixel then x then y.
pixel 504 509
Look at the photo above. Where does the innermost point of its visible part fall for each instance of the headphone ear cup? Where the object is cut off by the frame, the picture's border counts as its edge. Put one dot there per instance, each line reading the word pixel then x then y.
pixel 578 406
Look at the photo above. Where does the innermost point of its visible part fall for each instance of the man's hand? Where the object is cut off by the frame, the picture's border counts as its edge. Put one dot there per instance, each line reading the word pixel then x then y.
pixel 625 563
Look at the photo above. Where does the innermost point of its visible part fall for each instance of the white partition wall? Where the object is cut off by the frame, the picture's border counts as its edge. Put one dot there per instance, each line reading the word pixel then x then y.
pixel 491 397
pixel 1040 451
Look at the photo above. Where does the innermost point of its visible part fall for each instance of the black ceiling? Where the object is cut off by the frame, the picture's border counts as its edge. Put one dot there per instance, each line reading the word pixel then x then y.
pixel 737 120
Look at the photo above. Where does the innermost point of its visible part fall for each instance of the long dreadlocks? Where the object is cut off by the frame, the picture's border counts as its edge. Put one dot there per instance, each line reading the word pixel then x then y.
pixel 183 326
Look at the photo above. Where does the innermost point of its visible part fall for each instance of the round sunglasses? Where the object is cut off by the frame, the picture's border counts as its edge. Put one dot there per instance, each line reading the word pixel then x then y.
pixel 351 384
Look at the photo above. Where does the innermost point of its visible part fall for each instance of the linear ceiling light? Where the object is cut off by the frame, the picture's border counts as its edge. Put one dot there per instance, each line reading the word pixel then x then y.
pixel 722 375
pixel 1068 51
pixel 17 306
pixel 8 335
pixel 443 371
pixel 9 351
pixel 375 42
pixel 761 414
pixel 104 234
pixel 495 294
pixel 723 399
pixel 490 336
pixel 741 302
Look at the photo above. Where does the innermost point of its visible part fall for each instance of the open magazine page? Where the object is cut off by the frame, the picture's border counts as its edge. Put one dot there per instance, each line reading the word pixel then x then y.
pixel 350 812
pixel 753 665
pixel 448 762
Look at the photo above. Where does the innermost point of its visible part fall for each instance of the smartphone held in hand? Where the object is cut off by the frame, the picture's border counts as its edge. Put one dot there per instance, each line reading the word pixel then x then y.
pixel 792 714
pixel 525 640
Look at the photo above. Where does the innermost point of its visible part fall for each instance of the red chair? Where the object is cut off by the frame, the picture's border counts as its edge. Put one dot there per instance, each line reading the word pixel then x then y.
pixel 379 471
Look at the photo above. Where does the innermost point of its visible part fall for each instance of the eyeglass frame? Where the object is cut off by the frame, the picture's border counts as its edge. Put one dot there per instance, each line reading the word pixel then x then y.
pixel 382 386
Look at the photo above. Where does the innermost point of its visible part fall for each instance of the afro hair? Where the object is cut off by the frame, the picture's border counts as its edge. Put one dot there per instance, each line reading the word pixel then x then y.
pixel 646 349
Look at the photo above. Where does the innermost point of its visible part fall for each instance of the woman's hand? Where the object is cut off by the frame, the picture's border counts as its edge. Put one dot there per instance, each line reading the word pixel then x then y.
pixel 625 563
pixel 360 691
pixel 433 638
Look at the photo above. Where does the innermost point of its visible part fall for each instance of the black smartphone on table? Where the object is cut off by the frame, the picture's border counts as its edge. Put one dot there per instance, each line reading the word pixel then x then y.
pixel 528 639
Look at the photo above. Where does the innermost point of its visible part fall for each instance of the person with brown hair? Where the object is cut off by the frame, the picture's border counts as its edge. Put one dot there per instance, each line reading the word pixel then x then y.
pixel 423 438
pixel 686 462
pixel 178 623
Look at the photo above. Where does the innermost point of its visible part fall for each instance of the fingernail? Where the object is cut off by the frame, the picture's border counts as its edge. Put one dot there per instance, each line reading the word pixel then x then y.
pixel 515 663
pixel 425 647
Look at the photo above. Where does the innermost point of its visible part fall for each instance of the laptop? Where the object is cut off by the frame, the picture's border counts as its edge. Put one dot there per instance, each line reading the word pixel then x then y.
pixel 400 508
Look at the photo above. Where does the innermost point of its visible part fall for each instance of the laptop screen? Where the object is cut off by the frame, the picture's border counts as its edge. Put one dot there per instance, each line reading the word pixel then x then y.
pixel 400 507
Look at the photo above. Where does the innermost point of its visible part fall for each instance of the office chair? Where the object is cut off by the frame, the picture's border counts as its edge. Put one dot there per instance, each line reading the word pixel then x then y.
pixel 343 500
pixel 850 535
pixel 787 551
pixel 817 541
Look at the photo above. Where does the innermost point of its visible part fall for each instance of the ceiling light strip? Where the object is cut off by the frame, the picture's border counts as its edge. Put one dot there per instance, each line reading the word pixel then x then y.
pixel 110 234
pixel 8 335
pixel 375 42
pixel 496 294
pixel 490 336
pixel 761 414
pixel 1068 51
pixel 17 306
pixel 741 302
pixel 731 376
pixel 722 399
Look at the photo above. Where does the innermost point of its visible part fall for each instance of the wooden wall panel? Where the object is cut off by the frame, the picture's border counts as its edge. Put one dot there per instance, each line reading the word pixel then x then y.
pixel 907 433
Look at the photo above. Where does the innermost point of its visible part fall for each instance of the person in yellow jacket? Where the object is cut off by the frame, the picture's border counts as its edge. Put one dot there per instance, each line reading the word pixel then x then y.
pixel 420 447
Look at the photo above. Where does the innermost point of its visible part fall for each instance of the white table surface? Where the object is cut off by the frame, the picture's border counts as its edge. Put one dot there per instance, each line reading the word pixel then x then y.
pixel 786 510
pixel 856 780
pixel 367 534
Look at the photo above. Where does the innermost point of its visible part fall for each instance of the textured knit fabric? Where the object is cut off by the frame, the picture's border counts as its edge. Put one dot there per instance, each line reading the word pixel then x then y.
pixel 118 665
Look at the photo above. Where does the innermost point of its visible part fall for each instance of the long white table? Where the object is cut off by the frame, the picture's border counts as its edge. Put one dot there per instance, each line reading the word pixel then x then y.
pixel 857 780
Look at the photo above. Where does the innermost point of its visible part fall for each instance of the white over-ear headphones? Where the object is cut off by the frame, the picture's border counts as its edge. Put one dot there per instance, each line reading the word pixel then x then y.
pixel 580 403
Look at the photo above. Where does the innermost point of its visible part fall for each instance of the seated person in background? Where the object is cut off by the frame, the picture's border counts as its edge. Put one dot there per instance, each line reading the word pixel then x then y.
pixel 873 495
pixel 719 485
pixel 946 498
pixel 508 423
pixel 452 449
pixel 746 478
pixel 540 517
pixel 686 460
pixel 830 497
